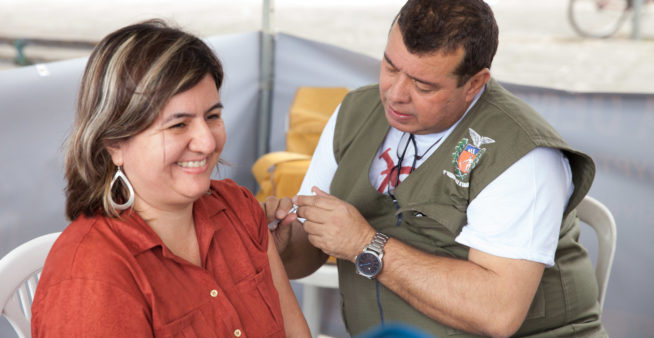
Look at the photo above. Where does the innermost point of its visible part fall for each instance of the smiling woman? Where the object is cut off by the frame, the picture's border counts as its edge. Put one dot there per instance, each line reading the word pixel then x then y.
pixel 170 163
pixel 155 247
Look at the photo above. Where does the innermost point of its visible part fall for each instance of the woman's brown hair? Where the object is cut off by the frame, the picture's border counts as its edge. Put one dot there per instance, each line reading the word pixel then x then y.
pixel 129 77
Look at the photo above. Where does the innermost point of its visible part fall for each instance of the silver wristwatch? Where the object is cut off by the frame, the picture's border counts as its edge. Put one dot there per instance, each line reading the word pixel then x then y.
pixel 369 262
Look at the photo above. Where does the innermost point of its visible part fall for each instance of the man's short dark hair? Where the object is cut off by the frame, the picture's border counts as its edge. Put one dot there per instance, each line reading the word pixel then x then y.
pixel 430 26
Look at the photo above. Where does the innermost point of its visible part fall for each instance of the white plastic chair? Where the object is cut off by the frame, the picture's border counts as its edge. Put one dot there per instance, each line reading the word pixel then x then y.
pixel 598 216
pixel 20 270
pixel 325 277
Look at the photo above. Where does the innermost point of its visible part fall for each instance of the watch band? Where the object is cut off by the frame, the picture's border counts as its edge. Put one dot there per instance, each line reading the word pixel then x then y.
pixel 377 243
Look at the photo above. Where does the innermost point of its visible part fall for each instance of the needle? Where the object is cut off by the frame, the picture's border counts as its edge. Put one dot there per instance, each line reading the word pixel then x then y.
pixel 273 225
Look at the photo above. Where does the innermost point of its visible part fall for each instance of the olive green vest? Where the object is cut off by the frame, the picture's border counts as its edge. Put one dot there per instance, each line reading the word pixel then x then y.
pixel 432 208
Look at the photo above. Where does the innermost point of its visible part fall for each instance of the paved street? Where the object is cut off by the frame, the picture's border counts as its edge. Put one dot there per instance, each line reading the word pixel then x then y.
pixel 537 45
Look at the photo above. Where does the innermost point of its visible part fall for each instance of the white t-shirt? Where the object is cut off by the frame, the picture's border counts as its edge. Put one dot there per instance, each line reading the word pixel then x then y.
pixel 518 215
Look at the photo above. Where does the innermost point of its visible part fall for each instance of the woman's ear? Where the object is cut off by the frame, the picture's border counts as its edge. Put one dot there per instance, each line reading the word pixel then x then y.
pixel 116 153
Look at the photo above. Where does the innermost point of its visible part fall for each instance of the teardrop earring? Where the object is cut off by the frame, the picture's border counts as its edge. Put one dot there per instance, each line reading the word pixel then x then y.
pixel 120 175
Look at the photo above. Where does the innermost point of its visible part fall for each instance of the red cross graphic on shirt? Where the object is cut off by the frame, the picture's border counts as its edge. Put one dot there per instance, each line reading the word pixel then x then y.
pixel 393 181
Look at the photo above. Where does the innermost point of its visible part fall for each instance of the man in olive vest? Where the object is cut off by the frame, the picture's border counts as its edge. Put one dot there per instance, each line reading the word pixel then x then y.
pixel 448 202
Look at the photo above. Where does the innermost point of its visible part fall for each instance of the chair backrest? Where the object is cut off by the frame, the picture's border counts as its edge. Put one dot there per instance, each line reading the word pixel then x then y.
pixel 308 114
pixel 281 173
pixel 20 270
pixel 598 216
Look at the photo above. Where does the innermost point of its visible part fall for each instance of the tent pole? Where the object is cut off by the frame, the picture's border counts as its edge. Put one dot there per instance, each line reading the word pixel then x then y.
pixel 266 79
pixel 635 20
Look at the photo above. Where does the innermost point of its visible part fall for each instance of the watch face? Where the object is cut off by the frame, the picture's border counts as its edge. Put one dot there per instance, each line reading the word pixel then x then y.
pixel 368 264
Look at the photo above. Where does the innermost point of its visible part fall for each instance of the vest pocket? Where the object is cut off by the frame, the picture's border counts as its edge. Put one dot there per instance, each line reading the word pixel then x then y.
pixel 425 230
pixel 537 308
pixel 434 215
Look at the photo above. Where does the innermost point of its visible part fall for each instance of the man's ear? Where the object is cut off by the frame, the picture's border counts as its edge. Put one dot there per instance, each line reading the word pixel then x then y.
pixel 476 83
pixel 116 152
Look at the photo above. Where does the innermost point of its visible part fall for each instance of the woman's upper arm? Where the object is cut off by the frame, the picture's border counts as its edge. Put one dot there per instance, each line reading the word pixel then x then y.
pixel 294 322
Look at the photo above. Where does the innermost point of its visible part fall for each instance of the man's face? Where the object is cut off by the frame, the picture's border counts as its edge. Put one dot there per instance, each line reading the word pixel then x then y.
pixel 420 93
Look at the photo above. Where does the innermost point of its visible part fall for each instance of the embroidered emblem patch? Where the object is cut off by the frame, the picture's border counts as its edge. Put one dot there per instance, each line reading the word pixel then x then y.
pixel 466 156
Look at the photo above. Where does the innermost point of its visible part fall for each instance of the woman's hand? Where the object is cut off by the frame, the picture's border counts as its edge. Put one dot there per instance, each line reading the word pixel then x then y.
pixel 299 256
pixel 279 220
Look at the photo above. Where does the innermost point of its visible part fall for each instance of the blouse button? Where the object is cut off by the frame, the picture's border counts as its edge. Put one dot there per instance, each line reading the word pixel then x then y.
pixel 237 333
pixel 214 293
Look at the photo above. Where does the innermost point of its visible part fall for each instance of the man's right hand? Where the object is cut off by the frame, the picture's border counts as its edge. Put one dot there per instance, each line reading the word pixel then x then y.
pixel 277 210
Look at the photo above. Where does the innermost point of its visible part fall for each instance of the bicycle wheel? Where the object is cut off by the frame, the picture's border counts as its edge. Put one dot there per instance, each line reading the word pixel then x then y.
pixel 598 18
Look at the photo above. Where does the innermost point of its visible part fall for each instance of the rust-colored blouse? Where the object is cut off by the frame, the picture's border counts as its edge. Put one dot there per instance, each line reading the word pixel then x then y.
pixel 115 278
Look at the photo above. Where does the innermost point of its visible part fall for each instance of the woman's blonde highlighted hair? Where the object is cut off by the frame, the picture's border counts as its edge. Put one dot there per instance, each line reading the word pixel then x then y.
pixel 129 77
